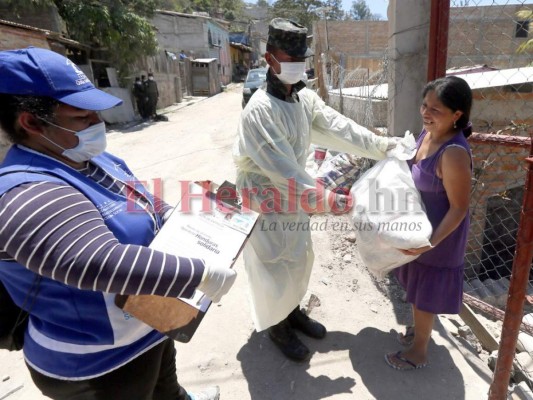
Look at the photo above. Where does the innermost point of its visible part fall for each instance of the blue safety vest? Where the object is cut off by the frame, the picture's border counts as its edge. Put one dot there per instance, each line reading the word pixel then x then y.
pixel 78 334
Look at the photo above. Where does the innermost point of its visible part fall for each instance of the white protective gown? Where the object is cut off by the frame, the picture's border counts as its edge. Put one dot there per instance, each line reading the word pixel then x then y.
pixel 270 153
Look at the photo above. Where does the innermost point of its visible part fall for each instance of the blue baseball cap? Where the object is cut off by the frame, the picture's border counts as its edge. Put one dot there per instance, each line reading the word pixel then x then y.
pixel 40 72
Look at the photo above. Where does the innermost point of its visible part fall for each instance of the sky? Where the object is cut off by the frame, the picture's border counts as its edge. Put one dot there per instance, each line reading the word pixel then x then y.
pixel 380 6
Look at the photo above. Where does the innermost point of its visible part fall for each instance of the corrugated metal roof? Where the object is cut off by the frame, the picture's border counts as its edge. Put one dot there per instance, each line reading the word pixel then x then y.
pixel 476 80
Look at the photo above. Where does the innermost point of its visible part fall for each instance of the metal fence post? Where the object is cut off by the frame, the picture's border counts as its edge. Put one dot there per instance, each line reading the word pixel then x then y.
pixel 517 292
pixel 438 39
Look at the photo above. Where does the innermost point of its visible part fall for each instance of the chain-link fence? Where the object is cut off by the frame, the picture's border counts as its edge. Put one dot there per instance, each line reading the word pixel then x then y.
pixel 497 193
pixel 487 46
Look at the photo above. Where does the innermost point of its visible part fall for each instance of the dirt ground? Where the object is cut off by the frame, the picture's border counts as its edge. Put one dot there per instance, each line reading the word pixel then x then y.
pixel 362 315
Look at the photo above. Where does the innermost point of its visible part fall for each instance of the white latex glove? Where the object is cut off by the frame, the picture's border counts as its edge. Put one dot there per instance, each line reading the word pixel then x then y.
pixel 402 148
pixel 216 282
pixel 393 142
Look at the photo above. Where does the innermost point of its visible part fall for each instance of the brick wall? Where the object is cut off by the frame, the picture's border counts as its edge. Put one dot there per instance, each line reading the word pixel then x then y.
pixel 497 109
pixel 477 35
pixel 363 43
pixel 486 35
pixel 499 166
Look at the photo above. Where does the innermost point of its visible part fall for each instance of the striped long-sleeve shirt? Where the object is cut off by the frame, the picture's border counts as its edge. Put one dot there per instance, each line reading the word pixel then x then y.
pixel 55 231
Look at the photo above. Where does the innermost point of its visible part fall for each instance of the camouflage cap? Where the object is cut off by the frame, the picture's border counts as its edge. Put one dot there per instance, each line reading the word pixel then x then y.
pixel 289 36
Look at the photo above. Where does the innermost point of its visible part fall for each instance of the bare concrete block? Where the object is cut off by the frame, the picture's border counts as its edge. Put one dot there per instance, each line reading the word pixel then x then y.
pixel 524 343
pixel 528 319
pixel 521 392
pixel 464 332
pixel 491 361
pixel 523 368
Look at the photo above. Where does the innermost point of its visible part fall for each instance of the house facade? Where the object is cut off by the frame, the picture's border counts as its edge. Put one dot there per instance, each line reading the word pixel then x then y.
pixel 198 36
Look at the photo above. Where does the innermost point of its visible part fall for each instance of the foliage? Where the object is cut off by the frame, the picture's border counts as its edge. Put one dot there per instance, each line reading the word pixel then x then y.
pixel 301 11
pixel 120 26
pixel 527 46
pixel 230 9
pixel 360 11
pixel 306 12
pixel 334 9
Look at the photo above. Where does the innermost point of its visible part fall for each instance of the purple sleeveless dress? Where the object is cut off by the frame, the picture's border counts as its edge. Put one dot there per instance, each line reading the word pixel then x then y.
pixel 434 281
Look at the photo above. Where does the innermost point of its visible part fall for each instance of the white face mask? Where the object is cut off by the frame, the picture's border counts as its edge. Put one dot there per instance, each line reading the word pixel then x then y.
pixel 291 72
pixel 91 142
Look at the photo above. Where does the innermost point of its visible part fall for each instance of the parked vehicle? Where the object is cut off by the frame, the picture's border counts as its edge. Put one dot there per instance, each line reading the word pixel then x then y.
pixel 254 80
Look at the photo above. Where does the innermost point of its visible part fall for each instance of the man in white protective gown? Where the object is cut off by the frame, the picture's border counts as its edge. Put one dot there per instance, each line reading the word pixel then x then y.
pixel 274 136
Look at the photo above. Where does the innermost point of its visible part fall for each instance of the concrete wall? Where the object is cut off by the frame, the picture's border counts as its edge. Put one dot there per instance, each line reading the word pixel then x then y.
pixel 407 72
pixel 167 75
pixel 178 32
pixel 357 109
pixel 220 37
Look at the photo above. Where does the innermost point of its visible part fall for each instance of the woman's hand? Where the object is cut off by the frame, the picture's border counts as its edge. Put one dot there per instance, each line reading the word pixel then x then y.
pixel 416 251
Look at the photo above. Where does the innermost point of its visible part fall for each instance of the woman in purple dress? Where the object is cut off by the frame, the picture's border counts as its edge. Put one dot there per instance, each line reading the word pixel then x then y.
pixel 442 171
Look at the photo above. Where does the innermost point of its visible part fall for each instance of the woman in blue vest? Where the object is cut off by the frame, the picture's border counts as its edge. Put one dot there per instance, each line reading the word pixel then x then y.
pixel 66 223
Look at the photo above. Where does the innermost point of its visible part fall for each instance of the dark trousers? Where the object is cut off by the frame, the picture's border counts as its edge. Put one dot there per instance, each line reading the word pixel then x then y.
pixel 151 376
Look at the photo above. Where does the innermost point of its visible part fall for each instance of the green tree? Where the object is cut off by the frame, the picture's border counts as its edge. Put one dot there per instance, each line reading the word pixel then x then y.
pixel 184 6
pixel 527 46
pixel 301 11
pixel 360 11
pixel 334 9
pixel 120 26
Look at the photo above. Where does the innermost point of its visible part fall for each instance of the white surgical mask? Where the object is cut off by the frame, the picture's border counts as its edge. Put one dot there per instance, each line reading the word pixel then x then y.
pixel 291 72
pixel 91 142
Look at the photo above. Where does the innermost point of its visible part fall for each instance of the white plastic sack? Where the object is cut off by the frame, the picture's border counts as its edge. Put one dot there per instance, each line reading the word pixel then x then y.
pixel 388 215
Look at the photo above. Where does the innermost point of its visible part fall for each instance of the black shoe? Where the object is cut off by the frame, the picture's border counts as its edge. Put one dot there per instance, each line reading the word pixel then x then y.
pixel 284 337
pixel 299 320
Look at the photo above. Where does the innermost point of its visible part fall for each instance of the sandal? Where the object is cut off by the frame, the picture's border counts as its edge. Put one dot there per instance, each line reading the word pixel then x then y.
pixel 393 360
pixel 407 338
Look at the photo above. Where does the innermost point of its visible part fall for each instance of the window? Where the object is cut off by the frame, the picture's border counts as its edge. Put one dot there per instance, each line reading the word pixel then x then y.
pixel 522 29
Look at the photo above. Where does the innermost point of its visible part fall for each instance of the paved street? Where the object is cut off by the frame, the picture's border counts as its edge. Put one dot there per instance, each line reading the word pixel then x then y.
pixel 348 364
